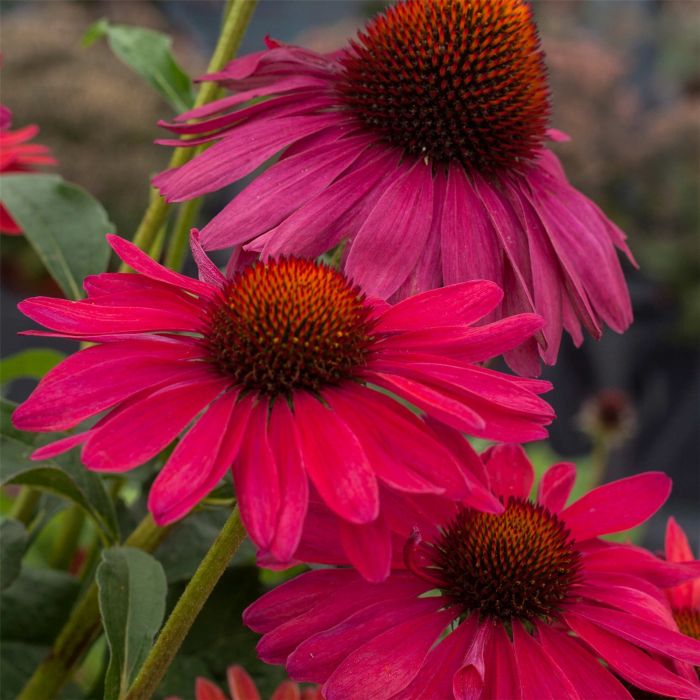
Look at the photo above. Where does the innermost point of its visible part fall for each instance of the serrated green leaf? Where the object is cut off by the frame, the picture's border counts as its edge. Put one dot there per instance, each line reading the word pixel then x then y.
pixel 63 476
pixel 33 363
pixel 132 593
pixel 149 54
pixel 64 224
pixel 13 542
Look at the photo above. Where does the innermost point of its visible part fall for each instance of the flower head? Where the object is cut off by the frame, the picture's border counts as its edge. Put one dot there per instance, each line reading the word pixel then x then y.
pixel 242 687
pixel 17 155
pixel 521 604
pixel 282 372
pixel 420 146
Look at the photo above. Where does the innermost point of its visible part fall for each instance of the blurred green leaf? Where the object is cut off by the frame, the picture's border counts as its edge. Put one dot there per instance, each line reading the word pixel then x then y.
pixel 64 223
pixel 63 476
pixel 33 363
pixel 132 591
pixel 13 542
pixel 32 612
pixel 149 54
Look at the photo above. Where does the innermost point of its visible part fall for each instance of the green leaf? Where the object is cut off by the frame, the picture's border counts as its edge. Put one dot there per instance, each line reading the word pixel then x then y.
pixel 33 363
pixel 63 476
pixel 149 54
pixel 13 542
pixel 65 225
pixel 132 592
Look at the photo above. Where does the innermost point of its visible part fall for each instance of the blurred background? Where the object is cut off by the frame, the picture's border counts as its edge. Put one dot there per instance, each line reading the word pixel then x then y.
pixel 626 86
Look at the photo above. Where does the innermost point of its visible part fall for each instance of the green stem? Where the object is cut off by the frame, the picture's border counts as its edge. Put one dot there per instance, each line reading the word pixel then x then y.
pixel 187 608
pixel 82 627
pixel 238 14
pixel 24 505
pixel 178 245
pixel 600 454
pixel 68 537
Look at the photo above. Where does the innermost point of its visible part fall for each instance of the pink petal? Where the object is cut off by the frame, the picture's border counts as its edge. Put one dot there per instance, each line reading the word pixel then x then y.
pixel 502 679
pixel 678 549
pixel 540 677
pixel 58 447
pixel 456 305
pixel 555 486
pixel 316 658
pixel 200 460
pixel 470 247
pixel 286 690
pixel 247 147
pixel 139 261
pixel 294 483
pixel 644 633
pixel 389 662
pixel 368 548
pixel 335 461
pixel 295 597
pixel 280 190
pixel 206 690
pixel 208 272
pixel 640 669
pixel 399 222
pixel 401 450
pixel 256 476
pixel 468 682
pixel 617 506
pixel 510 471
pixel 141 431
pixel 582 669
pixel 240 684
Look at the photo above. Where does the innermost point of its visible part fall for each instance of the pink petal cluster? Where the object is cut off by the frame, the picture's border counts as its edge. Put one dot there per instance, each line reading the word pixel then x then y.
pixel 152 370
pixel 17 155
pixel 410 224
pixel 242 687
pixel 406 638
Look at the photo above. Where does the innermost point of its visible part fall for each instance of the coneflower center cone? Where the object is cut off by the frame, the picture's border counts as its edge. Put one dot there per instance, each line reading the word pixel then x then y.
pixel 452 80
pixel 520 564
pixel 287 325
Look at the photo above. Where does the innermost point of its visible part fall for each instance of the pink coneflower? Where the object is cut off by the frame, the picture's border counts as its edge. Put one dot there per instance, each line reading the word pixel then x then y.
pixel 282 371
pixel 17 155
pixel 520 605
pixel 242 687
pixel 684 599
pixel 421 145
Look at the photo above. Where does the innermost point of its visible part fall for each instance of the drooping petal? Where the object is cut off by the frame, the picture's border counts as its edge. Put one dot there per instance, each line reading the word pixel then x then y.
pixel 510 471
pixel 678 550
pixel 368 547
pixel 502 679
pixel 555 486
pixel 335 461
pixel 617 506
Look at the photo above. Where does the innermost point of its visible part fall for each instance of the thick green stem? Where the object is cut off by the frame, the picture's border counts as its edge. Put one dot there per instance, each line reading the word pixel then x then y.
pixel 24 505
pixel 178 244
pixel 187 608
pixel 82 628
pixel 238 14
pixel 68 537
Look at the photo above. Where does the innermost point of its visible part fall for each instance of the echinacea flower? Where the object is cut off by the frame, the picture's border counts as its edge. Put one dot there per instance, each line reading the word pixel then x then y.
pixel 420 145
pixel 17 155
pixel 685 598
pixel 521 605
pixel 282 372
pixel 242 687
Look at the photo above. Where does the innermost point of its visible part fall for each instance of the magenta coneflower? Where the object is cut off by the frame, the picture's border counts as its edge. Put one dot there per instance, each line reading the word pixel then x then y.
pixel 421 144
pixel 519 605
pixel 18 156
pixel 282 371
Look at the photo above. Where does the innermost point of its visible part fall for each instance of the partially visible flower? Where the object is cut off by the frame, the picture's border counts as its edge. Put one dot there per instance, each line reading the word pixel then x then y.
pixel 17 155
pixel 422 145
pixel 242 687
pixel 288 374
pixel 608 415
pixel 521 605
pixel 685 598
